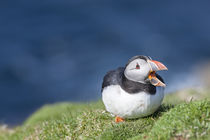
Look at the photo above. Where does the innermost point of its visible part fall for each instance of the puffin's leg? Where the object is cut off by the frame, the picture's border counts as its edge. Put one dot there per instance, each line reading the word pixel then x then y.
pixel 119 119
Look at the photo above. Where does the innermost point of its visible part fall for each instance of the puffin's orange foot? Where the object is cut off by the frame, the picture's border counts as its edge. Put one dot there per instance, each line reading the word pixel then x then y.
pixel 119 119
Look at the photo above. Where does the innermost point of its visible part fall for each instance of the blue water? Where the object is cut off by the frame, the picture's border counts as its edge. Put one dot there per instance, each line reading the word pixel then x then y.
pixel 52 51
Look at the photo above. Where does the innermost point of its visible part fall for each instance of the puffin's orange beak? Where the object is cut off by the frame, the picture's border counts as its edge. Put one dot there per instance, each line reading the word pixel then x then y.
pixel 156 66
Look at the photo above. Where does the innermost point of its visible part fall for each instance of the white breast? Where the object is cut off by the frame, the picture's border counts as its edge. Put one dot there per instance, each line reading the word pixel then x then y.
pixel 125 105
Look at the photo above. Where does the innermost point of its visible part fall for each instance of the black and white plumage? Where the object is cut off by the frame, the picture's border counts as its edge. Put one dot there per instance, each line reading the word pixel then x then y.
pixel 132 91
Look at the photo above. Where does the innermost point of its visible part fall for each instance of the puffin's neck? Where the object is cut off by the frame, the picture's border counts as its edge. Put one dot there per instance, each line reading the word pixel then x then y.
pixel 133 87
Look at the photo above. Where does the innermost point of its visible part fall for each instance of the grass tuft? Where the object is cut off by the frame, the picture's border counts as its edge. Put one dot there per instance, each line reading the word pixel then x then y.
pixel 187 120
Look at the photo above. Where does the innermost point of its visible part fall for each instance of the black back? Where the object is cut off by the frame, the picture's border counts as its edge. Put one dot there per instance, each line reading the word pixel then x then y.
pixel 113 77
pixel 117 77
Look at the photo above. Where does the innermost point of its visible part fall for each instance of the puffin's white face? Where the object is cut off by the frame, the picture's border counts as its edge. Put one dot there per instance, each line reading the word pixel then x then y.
pixel 138 70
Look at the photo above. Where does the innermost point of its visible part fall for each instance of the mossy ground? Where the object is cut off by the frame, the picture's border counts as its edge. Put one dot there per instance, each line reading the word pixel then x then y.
pixel 177 120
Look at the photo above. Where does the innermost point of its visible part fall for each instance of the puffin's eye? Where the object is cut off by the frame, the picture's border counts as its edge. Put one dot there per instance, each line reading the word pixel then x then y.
pixel 137 66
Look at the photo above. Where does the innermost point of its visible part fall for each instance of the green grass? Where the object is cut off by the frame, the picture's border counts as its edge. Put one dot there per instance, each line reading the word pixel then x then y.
pixel 174 120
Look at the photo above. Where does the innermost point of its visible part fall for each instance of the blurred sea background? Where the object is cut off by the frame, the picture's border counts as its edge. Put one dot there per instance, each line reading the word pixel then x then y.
pixel 53 51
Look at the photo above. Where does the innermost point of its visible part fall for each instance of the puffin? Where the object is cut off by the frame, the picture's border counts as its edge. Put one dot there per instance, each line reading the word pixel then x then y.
pixel 135 90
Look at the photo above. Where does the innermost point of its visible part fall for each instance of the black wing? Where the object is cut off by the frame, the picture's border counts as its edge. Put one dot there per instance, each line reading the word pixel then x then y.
pixel 113 77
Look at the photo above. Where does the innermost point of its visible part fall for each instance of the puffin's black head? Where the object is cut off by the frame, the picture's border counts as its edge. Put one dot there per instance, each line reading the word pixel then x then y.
pixel 142 68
